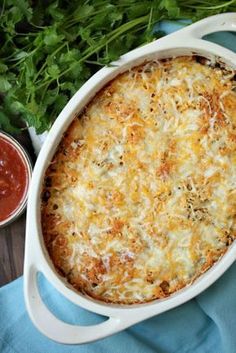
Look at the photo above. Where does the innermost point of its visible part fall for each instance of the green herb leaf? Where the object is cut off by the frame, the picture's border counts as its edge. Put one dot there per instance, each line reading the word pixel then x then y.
pixel 51 37
pixel 53 71
pixel 172 8
pixel 3 68
pixel 6 124
pixel 4 85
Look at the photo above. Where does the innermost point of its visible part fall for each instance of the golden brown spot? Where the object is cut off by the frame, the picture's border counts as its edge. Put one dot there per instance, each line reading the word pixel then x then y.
pixel 135 133
pixel 117 226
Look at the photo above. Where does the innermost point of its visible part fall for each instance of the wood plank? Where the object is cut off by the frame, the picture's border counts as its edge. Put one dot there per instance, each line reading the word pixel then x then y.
pixel 12 251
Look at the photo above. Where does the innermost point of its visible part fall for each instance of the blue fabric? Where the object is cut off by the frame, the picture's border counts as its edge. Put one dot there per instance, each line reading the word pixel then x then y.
pixel 206 324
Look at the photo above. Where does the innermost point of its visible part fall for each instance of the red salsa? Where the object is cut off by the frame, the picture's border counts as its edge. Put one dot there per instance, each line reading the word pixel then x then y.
pixel 14 178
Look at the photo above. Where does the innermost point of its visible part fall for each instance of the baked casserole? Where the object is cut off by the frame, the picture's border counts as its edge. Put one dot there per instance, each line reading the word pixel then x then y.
pixel 139 199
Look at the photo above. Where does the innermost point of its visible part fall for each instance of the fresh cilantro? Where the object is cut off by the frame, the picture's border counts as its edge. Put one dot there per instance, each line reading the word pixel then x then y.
pixel 49 48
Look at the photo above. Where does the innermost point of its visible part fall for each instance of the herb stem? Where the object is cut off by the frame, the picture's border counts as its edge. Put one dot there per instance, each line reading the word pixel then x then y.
pixel 46 61
pixel 214 7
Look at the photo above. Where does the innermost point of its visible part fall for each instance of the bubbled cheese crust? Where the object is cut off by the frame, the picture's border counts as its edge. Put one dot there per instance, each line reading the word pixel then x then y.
pixel 139 199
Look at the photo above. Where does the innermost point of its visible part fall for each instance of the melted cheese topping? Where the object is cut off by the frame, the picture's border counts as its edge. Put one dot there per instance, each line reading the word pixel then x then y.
pixel 139 199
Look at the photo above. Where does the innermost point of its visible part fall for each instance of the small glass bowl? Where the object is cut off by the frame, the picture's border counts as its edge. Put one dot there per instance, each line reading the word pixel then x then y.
pixel 22 152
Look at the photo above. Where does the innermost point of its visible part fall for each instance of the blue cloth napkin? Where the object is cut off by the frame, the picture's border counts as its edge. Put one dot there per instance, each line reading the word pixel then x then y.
pixel 206 324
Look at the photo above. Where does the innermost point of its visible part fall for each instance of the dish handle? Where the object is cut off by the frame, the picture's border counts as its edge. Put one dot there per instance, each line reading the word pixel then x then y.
pixel 55 329
pixel 217 23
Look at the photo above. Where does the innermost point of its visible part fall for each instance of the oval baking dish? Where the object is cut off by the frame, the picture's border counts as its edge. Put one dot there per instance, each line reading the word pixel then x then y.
pixel 186 42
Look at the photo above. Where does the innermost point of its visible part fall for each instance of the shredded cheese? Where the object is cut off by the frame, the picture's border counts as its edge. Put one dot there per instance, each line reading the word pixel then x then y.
pixel 139 199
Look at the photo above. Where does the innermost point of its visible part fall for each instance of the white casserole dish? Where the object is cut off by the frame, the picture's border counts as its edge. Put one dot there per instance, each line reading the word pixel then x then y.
pixel 184 42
